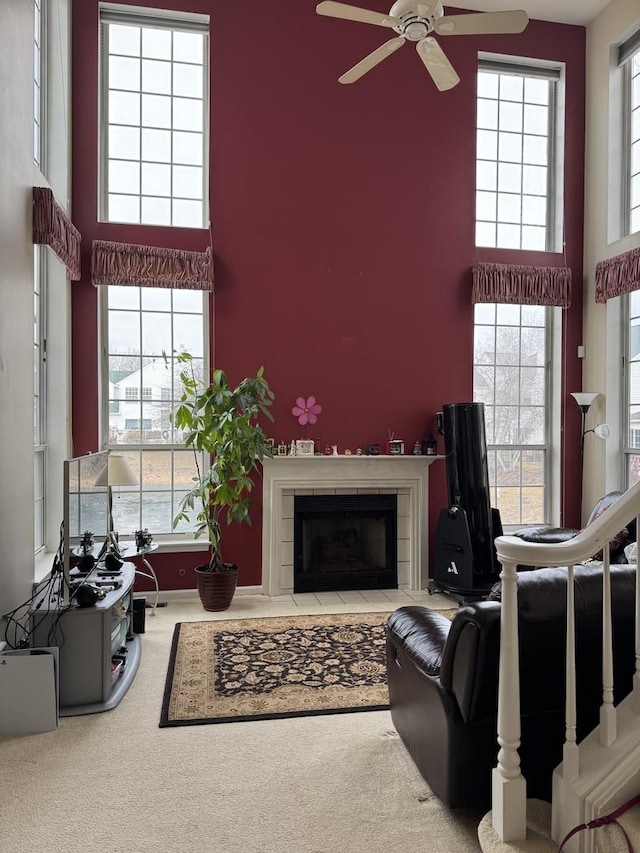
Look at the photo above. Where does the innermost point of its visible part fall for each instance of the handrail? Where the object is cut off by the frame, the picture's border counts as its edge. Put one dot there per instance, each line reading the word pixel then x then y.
pixel 582 546
pixel 508 785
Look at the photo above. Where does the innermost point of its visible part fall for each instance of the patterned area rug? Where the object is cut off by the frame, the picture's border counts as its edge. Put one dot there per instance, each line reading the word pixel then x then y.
pixel 241 669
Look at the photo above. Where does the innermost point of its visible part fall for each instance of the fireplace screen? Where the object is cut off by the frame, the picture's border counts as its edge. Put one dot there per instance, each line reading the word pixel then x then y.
pixel 345 542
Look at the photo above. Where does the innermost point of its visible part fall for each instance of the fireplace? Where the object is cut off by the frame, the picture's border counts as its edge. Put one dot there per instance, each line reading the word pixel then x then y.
pixel 287 477
pixel 345 542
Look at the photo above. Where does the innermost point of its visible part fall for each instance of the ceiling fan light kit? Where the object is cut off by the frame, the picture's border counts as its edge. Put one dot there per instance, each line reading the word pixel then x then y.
pixel 415 22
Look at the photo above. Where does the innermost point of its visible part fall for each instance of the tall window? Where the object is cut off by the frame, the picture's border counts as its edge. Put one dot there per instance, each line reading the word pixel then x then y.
pixel 39 292
pixel 139 392
pixel 154 118
pixel 511 378
pixel 516 184
pixel 629 59
pixel 39 395
pixel 632 374
pixel 38 78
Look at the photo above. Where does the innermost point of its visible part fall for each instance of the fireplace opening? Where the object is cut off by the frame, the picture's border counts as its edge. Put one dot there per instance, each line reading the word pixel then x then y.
pixel 345 542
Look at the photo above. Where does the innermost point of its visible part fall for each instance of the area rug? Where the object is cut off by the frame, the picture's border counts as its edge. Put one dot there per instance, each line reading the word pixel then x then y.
pixel 248 669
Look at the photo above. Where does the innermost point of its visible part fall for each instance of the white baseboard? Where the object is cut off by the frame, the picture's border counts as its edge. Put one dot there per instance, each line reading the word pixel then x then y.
pixel 172 594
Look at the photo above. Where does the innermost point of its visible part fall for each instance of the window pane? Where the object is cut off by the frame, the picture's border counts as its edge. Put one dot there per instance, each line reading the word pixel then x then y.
pixel 485 175
pixel 142 395
pixel 155 95
pixel 520 106
pixel 514 390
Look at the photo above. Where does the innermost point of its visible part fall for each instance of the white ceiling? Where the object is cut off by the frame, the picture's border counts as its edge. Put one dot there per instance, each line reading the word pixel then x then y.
pixel 561 11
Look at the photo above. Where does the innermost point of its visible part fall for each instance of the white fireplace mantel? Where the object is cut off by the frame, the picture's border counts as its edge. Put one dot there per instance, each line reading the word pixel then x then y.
pixel 285 475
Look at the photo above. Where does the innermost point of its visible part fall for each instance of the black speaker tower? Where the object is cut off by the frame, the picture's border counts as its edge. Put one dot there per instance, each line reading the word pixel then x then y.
pixel 465 564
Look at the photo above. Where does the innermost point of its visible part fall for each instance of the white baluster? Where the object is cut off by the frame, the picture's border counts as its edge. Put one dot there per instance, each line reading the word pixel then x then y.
pixel 509 793
pixel 570 753
pixel 608 727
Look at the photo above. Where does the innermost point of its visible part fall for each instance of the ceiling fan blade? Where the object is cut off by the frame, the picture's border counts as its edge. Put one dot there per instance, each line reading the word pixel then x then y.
pixel 371 60
pixel 441 70
pixel 482 22
pixel 354 13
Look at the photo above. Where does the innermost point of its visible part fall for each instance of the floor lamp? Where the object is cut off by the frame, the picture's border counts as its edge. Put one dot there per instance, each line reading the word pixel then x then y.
pixel 585 400
pixel 117 472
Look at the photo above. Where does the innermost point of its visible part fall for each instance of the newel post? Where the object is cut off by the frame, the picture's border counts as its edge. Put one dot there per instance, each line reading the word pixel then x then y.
pixel 509 792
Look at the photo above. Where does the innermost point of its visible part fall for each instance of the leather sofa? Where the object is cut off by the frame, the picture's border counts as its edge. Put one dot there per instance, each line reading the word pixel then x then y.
pixel 443 679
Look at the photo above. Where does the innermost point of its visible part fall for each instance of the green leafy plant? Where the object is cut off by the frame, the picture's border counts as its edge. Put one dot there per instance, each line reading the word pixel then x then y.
pixel 222 422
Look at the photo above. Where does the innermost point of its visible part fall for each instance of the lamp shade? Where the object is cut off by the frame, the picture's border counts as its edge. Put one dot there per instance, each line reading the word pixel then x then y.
pixel 117 472
pixel 585 398
pixel 602 431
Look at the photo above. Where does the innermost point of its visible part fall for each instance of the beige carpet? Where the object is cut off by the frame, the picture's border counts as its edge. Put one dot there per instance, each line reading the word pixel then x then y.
pixel 116 783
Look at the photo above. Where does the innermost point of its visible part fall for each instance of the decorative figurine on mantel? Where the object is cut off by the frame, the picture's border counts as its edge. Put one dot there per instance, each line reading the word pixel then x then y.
pixel 306 411
pixel 430 446
pixel 334 449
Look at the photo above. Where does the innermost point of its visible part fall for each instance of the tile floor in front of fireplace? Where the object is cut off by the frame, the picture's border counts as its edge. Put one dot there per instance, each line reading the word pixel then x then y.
pixel 248 605
pixel 397 597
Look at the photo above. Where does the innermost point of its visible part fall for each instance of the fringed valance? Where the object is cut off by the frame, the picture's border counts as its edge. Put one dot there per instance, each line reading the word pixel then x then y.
pixel 521 285
pixel 150 266
pixel 618 275
pixel 52 227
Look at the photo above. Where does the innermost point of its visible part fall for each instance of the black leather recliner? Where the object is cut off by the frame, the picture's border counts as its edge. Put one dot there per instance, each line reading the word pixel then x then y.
pixel 552 535
pixel 443 679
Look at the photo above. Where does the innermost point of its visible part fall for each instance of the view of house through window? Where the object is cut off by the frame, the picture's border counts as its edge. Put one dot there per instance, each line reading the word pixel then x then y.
pixel 154 118
pixel 515 156
pixel 511 378
pixel 144 328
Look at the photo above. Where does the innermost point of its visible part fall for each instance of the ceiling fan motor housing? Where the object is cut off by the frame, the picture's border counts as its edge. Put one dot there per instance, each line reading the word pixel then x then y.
pixel 418 19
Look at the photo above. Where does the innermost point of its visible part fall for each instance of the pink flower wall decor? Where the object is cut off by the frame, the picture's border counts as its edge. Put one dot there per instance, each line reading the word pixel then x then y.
pixel 306 410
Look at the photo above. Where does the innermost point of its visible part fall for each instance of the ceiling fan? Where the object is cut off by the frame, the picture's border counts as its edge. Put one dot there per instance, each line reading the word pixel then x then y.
pixel 415 21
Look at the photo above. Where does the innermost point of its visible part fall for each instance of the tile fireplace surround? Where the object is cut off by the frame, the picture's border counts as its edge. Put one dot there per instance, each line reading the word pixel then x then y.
pixel 286 476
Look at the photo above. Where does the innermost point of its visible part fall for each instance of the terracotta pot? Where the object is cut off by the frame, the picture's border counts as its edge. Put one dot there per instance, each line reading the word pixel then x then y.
pixel 216 589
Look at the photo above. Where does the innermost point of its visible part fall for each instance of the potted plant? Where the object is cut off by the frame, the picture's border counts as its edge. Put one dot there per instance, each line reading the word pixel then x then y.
pixel 221 422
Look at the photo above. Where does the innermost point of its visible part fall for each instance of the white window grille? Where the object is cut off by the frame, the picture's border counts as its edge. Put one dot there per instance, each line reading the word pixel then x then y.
pixel 516 157
pixel 154 117
pixel 512 379
pixel 629 61
pixel 143 328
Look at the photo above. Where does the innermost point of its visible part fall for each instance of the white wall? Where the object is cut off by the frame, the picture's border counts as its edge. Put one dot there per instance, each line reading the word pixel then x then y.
pixel 602 365
pixel 18 174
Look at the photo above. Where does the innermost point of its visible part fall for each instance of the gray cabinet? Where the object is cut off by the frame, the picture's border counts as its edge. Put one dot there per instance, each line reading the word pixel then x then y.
pixel 99 654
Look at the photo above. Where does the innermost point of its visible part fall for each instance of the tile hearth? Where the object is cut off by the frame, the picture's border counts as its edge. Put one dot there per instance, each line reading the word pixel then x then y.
pixel 285 477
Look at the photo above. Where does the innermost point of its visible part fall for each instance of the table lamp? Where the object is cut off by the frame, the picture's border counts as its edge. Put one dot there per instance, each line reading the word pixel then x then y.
pixel 117 472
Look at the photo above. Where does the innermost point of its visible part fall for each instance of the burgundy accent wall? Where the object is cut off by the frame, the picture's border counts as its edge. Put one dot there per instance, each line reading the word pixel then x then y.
pixel 342 228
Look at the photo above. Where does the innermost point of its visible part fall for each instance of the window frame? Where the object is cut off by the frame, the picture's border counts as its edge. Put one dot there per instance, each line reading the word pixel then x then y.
pixel 550 503
pixel 628 450
pixel 111 13
pixel 40 103
pixel 182 538
pixel 40 396
pixel 554 74
pixel 628 51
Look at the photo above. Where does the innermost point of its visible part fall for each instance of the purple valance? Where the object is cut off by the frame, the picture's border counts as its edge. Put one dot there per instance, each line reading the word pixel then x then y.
pixel 52 227
pixel 618 275
pixel 150 266
pixel 521 285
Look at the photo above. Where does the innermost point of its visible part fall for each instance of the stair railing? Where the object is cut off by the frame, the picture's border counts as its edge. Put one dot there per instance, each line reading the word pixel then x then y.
pixel 508 785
